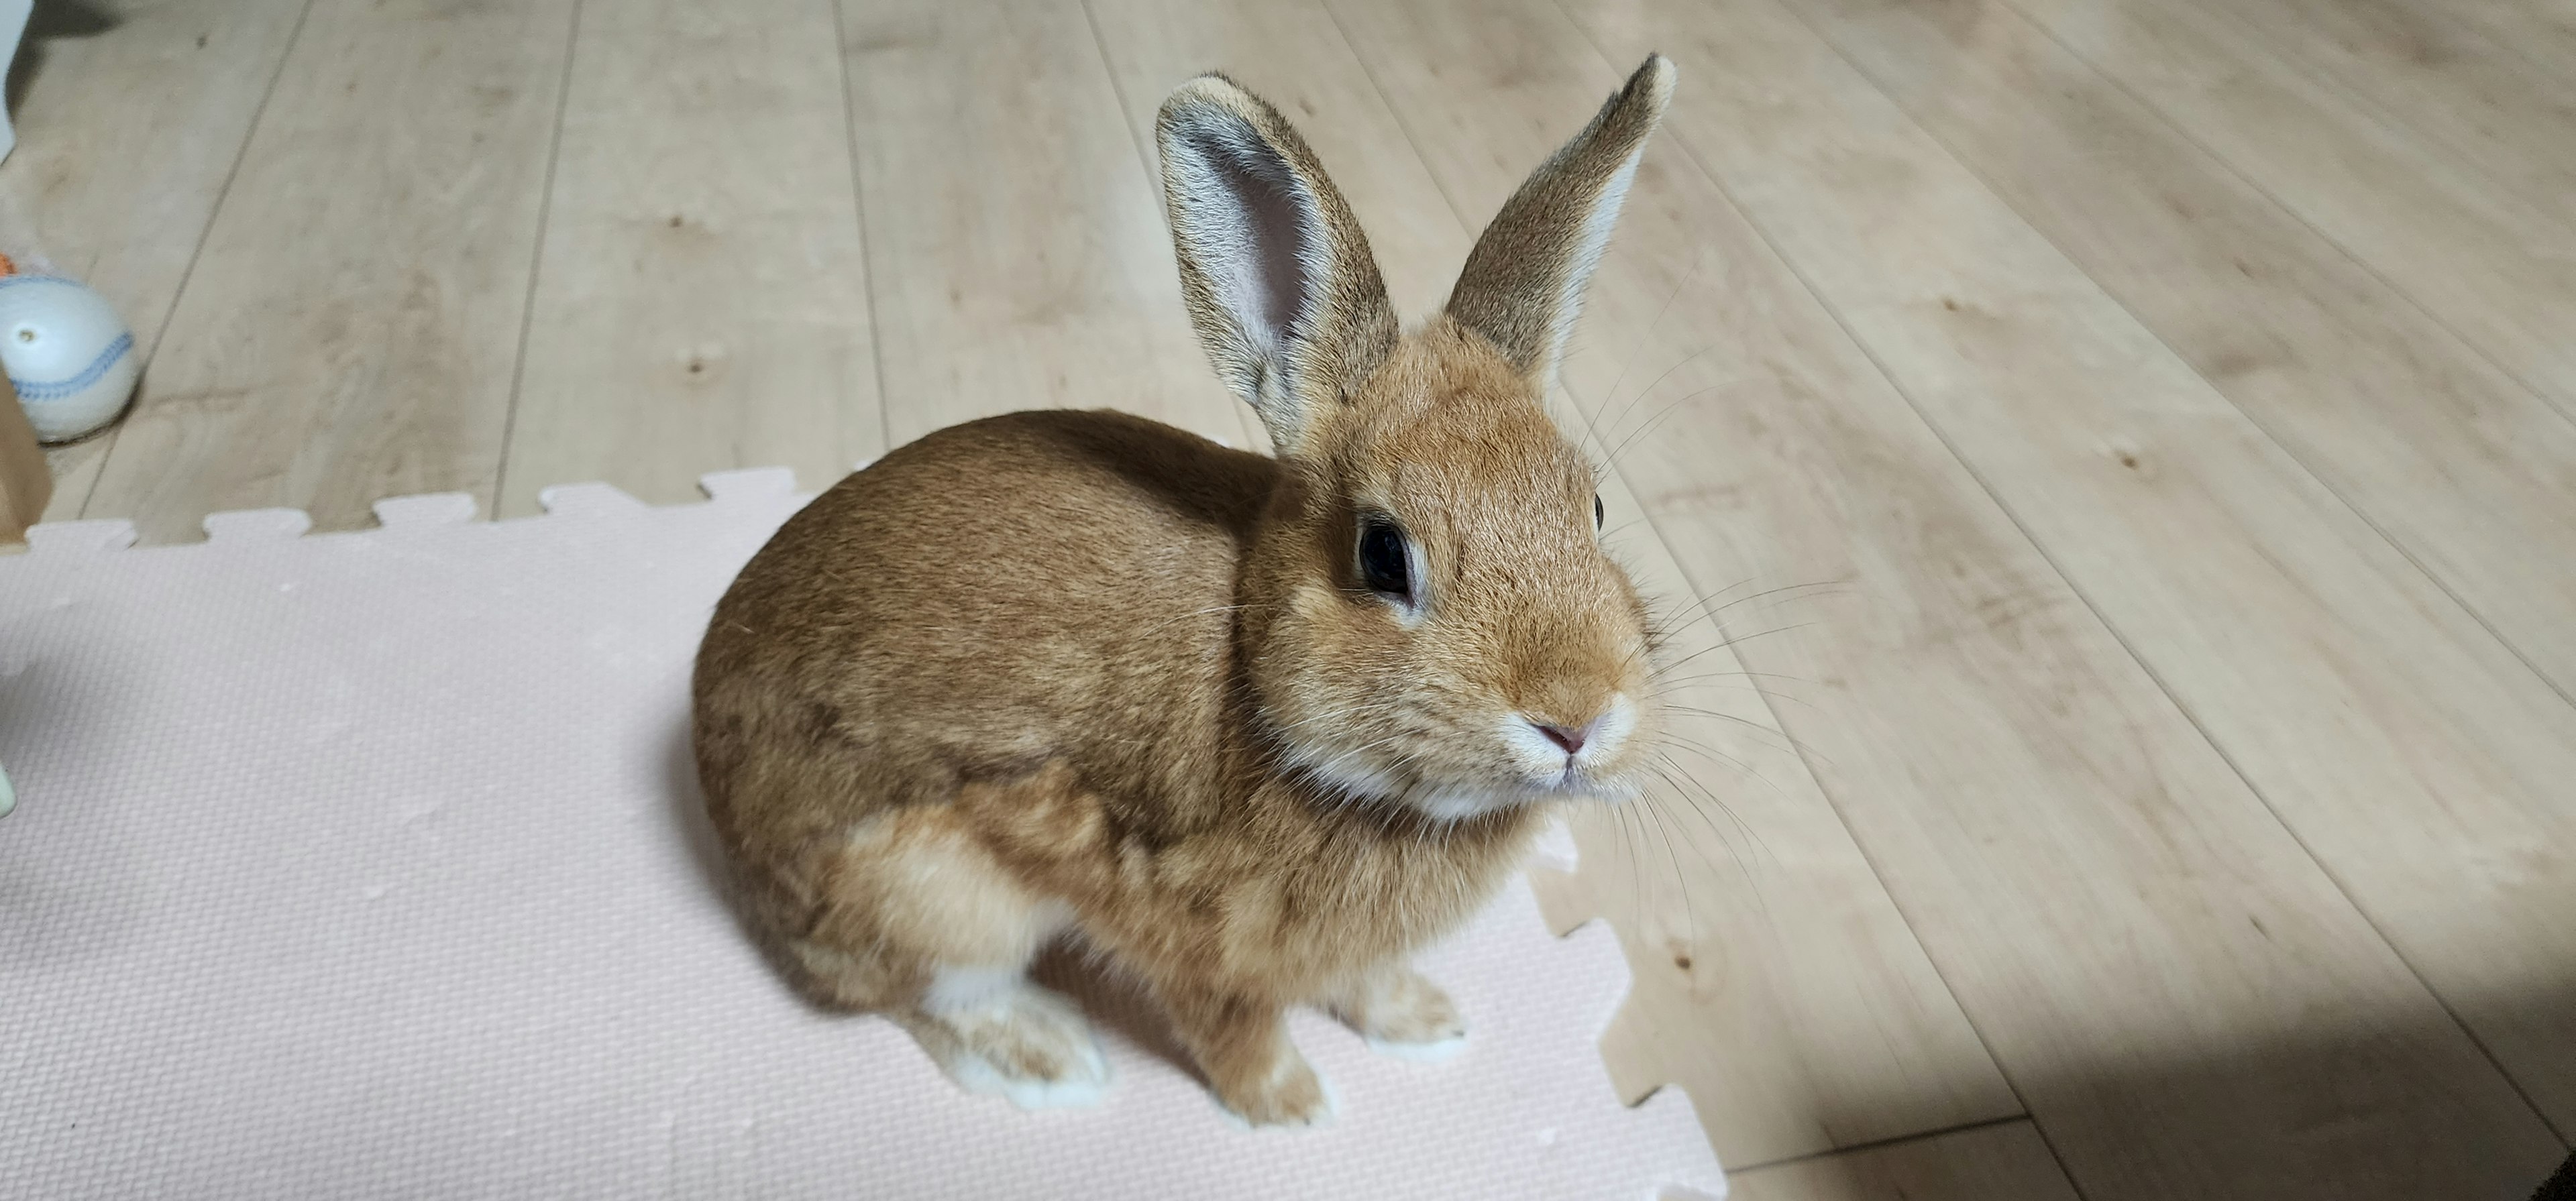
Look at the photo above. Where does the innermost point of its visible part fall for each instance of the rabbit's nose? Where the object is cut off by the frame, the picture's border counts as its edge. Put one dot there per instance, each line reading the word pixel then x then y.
pixel 1569 737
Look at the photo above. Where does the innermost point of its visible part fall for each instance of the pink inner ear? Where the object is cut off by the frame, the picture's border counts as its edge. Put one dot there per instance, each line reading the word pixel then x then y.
pixel 1264 270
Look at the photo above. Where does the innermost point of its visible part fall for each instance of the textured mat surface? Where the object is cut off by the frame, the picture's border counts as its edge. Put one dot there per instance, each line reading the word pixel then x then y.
pixel 370 865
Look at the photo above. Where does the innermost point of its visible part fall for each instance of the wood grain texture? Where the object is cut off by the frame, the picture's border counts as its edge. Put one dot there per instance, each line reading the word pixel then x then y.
pixel 2110 902
pixel 125 139
pixel 2542 32
pixel 2007 1162
pixel 1759 940
pixel 701 300
pixel 75 470
pixel 126 136
pixel 2466 104
pixel 2502 281
pixel 2420 760
pixel 2465 469
pixel 1017 257
pixel 351 325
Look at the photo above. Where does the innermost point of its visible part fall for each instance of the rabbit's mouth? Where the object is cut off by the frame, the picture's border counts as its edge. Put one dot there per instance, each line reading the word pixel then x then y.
pixel 1344 779
pixel 1578 784
pixel 1575 785
pixel 1457 799
pixel 1584 782
pixel 1454 774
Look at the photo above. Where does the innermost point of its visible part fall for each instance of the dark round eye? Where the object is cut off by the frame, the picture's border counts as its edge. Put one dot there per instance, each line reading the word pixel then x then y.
pixel 1382 558
pixel 1597 511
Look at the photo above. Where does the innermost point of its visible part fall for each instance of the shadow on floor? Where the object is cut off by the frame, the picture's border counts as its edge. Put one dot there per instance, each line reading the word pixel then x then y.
pixel 2350 1107
pixel 54 19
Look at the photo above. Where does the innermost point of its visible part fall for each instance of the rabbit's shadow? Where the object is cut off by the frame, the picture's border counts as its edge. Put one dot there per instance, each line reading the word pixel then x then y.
pixel 1116 1003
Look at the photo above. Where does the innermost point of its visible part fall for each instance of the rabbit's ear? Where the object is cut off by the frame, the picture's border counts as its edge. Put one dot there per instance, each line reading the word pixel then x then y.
pixel 1523 284
pixel 1278 277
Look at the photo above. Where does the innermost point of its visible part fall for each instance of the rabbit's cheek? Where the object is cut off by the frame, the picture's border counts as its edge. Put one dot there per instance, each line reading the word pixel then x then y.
pixel 1610 739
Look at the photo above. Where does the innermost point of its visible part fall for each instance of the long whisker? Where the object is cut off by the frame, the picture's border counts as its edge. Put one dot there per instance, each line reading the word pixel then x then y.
pixel 1705 820
pixel 1787 741
pixel 1682 780
pixel 1743 870
pixel 1646 335
pixel 1674 741
pixel 1730 642
pixel 1636 874
pixel 1660 415
pixel 1664 694
pixel 1702 603
pixel 1613 424
pixel 1690 912
pixel 1750 597
pixel 1670 681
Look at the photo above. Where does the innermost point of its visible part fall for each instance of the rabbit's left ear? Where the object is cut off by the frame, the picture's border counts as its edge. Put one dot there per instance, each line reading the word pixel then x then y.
pixel 1278 276
pixel 1524 281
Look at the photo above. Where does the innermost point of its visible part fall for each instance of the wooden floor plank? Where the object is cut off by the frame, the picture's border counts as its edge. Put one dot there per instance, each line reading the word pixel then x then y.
pixel 352 322
pixel 701 298
pixel 2501 280
pixel 2007 1162
pixel 126 135
pixel 2421 761
pixel 1774 980
pixel 2187 1003
pixel 75 468
pixel 2468 471
pixel 1017 257
pixel 2543 32
pixel 2470 105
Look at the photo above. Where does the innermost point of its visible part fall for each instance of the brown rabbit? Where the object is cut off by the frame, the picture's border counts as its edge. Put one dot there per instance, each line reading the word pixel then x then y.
pixel 1253 730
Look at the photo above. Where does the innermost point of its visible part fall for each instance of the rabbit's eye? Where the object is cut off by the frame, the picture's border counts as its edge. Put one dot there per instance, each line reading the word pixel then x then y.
pixel 1597 511
pixel 1383 561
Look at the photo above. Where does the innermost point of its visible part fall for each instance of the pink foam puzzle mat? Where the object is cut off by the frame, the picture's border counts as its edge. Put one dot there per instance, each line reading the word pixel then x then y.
pixel 371 865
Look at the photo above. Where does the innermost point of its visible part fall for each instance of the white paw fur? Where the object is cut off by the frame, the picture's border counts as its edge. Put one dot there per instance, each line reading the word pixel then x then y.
pixel 1085 1089
pixel 1332 1109
pixel 1436 1051
pixel 1029 1016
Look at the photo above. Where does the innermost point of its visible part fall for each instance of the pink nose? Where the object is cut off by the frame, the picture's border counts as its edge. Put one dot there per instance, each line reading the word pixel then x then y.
pixel 1570 739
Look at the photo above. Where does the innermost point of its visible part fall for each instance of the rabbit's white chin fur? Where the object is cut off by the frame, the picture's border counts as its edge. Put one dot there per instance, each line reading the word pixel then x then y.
pixel 1459 801
pixel 1454 804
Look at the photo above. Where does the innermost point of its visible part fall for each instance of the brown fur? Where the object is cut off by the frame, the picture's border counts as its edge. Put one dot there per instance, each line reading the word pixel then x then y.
pixel 1079 672
pixel 1535 249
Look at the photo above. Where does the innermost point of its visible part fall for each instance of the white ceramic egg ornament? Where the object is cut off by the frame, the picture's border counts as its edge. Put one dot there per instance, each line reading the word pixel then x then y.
pixel 69 355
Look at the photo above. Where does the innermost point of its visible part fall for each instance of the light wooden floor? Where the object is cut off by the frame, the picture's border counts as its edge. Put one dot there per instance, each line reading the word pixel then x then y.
pixel 2130 446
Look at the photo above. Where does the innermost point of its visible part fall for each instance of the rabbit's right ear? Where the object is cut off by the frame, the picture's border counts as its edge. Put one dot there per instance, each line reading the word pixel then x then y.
pixel 1524 281
pixel 1278 277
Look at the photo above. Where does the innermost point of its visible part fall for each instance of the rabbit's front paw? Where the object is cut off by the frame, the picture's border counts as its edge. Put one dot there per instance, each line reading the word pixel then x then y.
pixel 1403 1014
pixel 1292 1094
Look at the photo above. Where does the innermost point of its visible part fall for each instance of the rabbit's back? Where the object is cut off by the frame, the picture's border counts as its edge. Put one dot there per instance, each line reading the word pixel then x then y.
pixel 1041 586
